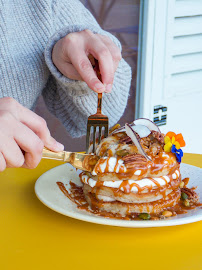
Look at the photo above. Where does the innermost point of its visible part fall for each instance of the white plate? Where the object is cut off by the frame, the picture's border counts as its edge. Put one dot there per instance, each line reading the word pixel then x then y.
pixel 48 193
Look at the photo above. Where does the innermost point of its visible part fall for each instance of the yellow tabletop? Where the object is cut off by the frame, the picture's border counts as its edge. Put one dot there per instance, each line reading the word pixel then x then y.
pixel 33 236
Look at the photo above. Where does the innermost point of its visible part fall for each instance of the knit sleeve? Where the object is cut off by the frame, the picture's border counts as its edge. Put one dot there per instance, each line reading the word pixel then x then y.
pixel 72 101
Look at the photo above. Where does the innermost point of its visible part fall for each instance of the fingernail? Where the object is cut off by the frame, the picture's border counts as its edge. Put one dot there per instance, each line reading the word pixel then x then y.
pixel 99 87
pixel 108 88
pixel 60 146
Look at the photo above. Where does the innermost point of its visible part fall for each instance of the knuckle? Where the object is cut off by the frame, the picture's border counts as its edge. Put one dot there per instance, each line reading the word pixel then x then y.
pixel 39 147
pixel 103 52
pixel 69 39
pixel 84 64
pixel 10 102
pixel 43 131
pixel 88 32
pixel 33 158
pixel 117 56
pixel 6 116
pixel 43 123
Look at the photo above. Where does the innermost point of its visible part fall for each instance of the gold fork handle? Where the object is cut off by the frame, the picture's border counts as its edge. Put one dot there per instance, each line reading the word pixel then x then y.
pixel 97 70
pixel 63 155
pixel 99 103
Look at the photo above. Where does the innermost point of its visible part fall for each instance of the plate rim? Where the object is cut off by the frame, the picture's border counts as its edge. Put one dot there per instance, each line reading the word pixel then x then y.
pixel 113 222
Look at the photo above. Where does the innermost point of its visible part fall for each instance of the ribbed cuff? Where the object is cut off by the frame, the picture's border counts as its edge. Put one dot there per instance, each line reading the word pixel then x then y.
pixel 62 33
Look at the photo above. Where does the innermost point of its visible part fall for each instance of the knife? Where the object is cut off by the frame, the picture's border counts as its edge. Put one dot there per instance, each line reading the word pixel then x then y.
pixel 85 162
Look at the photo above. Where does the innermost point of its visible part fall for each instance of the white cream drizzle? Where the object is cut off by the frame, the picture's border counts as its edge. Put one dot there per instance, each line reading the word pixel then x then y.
pixel 163 180
pixel 112 162
pixel 138 172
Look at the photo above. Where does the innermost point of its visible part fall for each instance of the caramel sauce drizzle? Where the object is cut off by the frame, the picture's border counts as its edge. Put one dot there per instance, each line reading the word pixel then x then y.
pixel 127 187
pixel 76 195
pixel 162 177
pixel 116 167
pixel 155 166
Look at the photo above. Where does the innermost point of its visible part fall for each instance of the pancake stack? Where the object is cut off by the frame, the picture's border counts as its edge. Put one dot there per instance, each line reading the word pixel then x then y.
pixel 134 173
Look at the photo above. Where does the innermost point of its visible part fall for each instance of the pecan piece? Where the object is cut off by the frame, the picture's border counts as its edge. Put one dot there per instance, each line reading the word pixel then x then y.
pixel 126 139
pixel 157 135
pixel 192 195
pixel 134 159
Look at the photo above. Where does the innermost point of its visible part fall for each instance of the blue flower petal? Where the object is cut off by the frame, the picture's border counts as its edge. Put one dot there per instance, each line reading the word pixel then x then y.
pixel 177 152
pixel 173 149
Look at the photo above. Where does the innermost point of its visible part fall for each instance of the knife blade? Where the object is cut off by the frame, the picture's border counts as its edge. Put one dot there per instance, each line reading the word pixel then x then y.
pixel 85 162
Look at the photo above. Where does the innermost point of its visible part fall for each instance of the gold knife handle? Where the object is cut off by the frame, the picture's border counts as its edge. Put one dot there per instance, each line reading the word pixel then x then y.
pixel 63 155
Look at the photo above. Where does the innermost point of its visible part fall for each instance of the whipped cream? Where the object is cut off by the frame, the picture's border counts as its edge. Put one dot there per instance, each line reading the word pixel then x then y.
pixel 162 180
pixel 109 163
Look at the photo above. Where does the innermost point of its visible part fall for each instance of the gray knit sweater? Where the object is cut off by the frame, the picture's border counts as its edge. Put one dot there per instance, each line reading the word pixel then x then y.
pixel 28 31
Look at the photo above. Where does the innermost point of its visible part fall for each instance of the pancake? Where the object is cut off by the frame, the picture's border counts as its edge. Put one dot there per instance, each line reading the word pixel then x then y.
pixel 124 194
pixel 125 209
pixel 135 172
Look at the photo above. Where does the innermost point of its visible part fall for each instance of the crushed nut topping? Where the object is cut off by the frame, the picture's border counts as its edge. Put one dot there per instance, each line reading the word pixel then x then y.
pixel 134 159
pixel 126 139
pixel 117 126
pixel 192 195
pixel 157 135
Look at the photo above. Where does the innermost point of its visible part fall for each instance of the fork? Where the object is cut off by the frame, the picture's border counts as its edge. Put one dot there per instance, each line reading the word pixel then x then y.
pixel 97 120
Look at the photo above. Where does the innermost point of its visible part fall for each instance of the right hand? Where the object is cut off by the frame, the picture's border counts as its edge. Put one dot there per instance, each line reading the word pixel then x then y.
pixel 71 57
pixel 23 134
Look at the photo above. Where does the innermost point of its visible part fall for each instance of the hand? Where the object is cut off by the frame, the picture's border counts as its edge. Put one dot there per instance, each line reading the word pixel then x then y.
pixel 70 56
pixel 23 134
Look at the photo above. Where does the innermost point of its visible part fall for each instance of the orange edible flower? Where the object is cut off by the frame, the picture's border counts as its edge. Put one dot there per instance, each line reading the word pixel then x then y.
pixel 171 134
pixel 180 139
pixel 177 137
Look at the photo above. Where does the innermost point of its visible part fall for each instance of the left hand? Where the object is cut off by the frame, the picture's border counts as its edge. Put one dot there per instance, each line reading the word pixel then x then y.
pixel 70 56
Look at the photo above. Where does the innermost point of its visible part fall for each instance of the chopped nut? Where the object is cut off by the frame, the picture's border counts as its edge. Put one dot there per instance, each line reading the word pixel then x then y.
pixel 122 152
pixel 144 216
pixel 182 184
pixel 157 135
pixel 186 181
pixel 191 195
pixel 126 139
pixel 167 213
pixel 155 149
pixel 114 128
pixel 184 196
pixel 186 203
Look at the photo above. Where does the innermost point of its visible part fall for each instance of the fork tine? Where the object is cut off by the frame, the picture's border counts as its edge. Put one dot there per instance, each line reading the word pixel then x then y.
pixel 98 119
pixel 100 135
pixel 88 139
pixel 106 131
pixel 94 133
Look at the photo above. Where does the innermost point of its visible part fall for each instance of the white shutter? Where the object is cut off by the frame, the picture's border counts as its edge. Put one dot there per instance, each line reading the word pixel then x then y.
pixel 171 68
